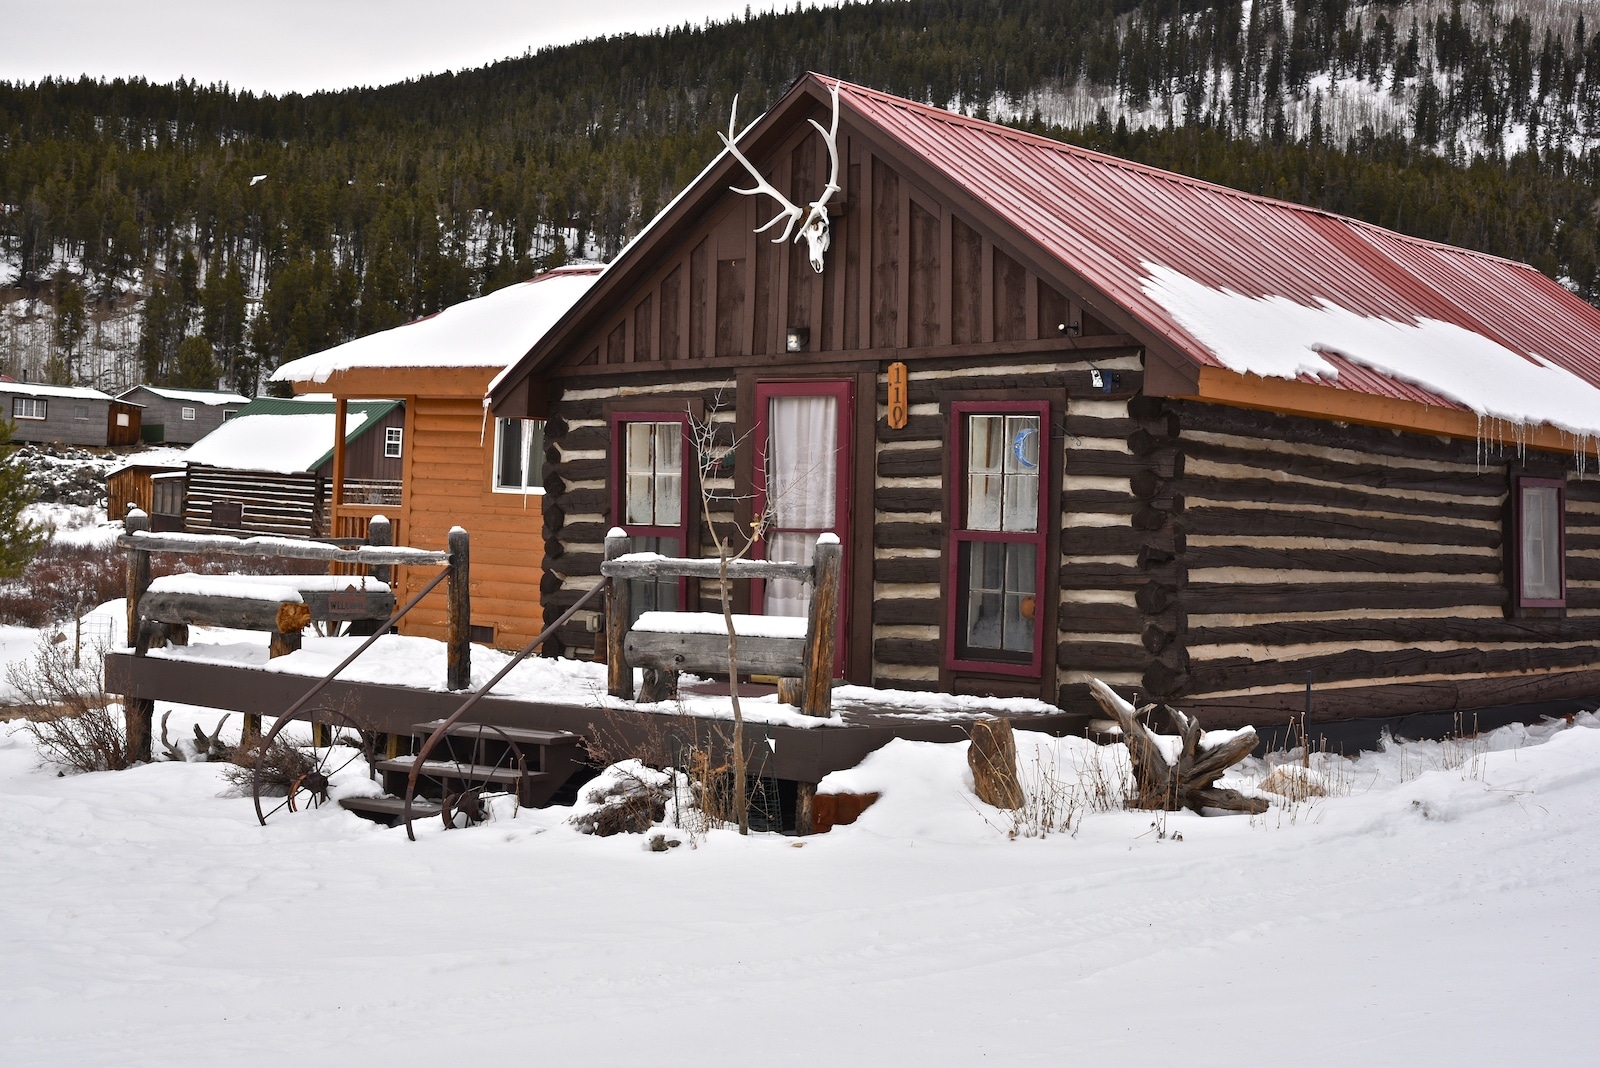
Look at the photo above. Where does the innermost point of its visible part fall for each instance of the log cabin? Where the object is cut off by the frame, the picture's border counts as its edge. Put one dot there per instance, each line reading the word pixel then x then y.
pixel 1073 417
pixel 270 468
pixel 457 468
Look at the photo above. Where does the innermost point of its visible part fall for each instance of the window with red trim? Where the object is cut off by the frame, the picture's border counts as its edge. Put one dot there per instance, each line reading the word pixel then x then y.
pixel 999 476
pixel 1540 543
pixel 649 475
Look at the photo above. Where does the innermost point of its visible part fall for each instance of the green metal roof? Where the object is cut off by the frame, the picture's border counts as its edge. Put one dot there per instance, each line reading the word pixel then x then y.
pixel 375 411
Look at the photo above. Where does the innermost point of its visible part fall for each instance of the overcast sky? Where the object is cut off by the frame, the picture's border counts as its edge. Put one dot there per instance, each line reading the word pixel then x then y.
pixel 303 45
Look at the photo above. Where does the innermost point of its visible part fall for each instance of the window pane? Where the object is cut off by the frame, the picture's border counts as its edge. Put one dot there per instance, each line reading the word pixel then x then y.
pixel 802 465
pixel 1022 448
pixel 509 474
pixel 984 495
pixel 1019 590
pixel 998 599
pixel 653 595
pixel 639 471
pixel 640 502
pixel 1541 543
pixel 669 498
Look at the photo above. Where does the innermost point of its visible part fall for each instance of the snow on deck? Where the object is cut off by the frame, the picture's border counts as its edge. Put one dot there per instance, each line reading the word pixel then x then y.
pixel 401 660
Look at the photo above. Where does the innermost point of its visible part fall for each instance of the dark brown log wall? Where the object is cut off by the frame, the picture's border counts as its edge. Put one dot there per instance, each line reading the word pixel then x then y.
pixel 577 495
pixel 1367 561
pixel 1104 557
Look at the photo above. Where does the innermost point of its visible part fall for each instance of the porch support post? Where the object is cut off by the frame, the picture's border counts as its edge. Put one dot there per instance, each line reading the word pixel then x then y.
pixel 137 712
pixel 341 409
pixel 816 698
pixel 458 631
pixel 381 532
pixel 805 799
pixel 619 606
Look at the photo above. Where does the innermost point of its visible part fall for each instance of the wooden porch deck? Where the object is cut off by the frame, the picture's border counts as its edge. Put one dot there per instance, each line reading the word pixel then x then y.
pixel 795 753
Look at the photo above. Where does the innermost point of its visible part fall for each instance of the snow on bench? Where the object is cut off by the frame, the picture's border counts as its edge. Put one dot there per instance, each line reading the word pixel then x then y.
pixel 714 623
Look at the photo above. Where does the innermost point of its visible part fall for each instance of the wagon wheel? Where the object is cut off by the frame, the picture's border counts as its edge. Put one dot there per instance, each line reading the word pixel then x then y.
pixel 310 773
pixel 472 782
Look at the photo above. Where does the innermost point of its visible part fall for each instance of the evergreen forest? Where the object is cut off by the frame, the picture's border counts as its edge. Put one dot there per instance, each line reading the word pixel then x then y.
pixel 200 235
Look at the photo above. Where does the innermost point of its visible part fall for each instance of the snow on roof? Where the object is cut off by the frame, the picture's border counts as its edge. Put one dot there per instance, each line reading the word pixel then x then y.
pixel 272 442
pixel 489 331
pixel 1267 287
pixel 40 390
pixel 193 396
pixel 1276 337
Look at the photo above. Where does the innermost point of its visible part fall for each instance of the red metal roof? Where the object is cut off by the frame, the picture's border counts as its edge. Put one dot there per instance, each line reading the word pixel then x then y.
pixel 1105 218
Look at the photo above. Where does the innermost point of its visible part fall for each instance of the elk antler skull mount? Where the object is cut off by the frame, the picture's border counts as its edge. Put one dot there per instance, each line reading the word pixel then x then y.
pixel 812 219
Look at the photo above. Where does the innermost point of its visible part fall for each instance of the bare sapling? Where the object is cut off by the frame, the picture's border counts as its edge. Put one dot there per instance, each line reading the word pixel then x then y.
pixel 731 543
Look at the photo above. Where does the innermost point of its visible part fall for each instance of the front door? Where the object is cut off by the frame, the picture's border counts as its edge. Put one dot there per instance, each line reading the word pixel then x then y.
pixel 802 480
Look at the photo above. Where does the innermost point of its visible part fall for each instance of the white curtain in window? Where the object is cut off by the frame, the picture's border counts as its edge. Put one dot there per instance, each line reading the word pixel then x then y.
pixel 802 488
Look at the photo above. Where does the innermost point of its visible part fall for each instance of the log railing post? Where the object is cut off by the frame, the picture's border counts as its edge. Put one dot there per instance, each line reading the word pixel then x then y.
pixel 458 630
pixel 619 606
pixel 816 698
pixel 137 712
pixel 381 532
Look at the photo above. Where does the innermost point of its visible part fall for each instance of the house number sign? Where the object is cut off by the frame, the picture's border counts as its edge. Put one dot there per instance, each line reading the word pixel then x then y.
pixel 899 408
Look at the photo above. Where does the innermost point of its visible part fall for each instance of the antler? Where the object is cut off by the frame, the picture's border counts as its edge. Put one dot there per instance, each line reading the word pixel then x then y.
pixel 815 227
pixel 173 752
pixel 789 210
pixel 813 219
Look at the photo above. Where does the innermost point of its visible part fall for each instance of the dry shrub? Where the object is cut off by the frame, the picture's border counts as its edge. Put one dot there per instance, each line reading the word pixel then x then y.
pixel 69 715
pixel 695 788
pixel 629 799
pixel 1294 782
pixel 282 766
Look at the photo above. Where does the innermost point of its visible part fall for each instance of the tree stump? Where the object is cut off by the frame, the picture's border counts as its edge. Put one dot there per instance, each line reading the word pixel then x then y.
pixel 992 756
pixel 1183 782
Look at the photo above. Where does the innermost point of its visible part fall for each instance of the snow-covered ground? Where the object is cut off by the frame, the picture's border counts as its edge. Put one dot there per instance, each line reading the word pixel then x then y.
pixel 1440 908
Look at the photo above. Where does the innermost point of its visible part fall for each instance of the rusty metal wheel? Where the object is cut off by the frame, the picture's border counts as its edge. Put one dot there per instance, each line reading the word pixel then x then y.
pixel 472 765
pixel 304 773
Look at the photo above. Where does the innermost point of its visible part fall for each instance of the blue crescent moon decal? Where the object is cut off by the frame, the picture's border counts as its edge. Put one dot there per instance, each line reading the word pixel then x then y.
pixel 1020 444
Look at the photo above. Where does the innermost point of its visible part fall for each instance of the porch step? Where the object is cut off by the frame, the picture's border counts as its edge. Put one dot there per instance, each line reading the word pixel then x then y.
pixel 389 809
pixel 452 770
pixel 520 735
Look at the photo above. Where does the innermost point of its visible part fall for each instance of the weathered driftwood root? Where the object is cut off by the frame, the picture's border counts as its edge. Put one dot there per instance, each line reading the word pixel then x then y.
pixel 992 756
pixel 1187 782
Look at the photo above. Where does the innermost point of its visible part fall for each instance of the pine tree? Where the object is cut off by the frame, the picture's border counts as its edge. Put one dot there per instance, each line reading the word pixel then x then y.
pixel 197 369
pixel 19 540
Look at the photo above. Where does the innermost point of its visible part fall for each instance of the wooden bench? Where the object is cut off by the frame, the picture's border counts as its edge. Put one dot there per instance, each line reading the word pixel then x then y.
pixel 799 651
pixel 281 605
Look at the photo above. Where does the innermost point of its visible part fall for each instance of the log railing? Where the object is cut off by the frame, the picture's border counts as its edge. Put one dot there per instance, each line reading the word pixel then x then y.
pixel 376 552
pixel 804 665
pixel 374 492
